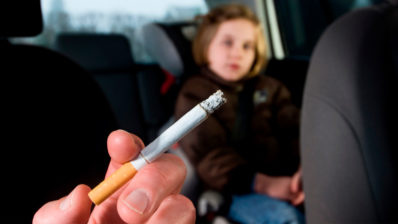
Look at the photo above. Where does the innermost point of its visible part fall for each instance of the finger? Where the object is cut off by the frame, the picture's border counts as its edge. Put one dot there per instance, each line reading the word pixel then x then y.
pixel 123 146
pixel 295 185
pixel 174 209
pixel 279 187
pixel 294 188
pixel 299 198
pixel 74 208
pixel 150 186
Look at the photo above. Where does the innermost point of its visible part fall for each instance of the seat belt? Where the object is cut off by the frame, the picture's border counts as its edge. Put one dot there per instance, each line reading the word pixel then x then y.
pixel 244 113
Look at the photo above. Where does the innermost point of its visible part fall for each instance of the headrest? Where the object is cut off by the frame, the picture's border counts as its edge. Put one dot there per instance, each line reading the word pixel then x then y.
pixel 20 18
pixel 97 52
pixel 170 46
pixel 349 87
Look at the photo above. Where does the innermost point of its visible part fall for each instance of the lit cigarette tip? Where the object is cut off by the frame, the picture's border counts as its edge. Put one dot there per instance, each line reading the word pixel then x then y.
pixel 214 101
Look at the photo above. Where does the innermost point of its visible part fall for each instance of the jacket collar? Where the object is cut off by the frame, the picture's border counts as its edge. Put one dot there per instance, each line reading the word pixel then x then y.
pixel 237 86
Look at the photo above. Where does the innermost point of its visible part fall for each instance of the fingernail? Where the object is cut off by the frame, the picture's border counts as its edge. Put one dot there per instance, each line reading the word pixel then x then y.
pixel 138 142
pixel 66 203
pixel 137 201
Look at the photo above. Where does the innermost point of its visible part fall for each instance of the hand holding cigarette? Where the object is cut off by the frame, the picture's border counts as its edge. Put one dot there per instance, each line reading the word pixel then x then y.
pixel 174 133
pixel 148 198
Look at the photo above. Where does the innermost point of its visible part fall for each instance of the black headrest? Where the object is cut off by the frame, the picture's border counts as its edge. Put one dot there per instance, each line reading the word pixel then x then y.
pixel 20 18
pixel 114 53
pixel 170 46
pixel 349 120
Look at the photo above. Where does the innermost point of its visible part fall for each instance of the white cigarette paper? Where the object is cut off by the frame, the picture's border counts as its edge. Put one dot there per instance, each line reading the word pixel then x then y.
pixel 174 133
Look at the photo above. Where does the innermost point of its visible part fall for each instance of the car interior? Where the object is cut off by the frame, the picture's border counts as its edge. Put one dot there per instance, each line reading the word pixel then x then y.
pixel 108 58
pixel 62 102
pixel 55 118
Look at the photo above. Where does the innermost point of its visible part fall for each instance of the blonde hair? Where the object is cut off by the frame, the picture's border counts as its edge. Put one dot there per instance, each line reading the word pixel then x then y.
pixel 209 25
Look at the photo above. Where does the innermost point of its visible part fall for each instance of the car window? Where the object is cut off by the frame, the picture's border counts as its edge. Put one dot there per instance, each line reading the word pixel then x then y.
pixel 302 22
pixel 116 16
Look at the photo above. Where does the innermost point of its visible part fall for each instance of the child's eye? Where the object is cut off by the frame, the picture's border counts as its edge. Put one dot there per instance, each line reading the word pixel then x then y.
pixel 248 46
pixel 227 43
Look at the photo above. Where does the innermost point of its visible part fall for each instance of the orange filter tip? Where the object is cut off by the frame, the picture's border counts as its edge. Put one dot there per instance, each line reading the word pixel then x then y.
pixel 112 183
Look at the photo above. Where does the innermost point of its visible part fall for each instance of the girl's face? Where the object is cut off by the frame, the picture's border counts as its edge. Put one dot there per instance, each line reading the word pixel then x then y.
pixel 232 51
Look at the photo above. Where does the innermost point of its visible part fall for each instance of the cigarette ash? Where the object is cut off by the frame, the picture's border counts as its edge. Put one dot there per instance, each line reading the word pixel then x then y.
pixel 215 101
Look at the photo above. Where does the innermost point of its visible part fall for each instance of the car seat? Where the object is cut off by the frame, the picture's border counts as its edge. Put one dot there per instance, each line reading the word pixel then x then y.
pixel 349 149
pixel 170 46
pixel 108 58
pixel 55 119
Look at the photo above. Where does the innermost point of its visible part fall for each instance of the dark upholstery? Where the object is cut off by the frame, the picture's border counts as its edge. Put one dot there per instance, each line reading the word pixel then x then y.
pixel 13 23
pixel 156 107
pixel 98 53
pixel 55 120
pixel 348 141
pixel 291 72
pixel 108 57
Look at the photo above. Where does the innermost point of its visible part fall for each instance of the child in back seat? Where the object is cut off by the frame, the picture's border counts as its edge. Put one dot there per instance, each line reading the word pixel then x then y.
pixel 248 150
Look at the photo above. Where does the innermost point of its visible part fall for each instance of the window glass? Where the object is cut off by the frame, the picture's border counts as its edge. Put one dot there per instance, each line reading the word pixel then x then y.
pixel 302 21
pixel 111 16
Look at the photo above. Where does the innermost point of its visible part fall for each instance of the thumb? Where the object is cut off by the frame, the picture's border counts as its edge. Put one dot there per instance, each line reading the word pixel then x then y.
pixel 74 208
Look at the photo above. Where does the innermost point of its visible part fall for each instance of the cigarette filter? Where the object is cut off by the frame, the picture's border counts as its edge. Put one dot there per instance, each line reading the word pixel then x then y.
pixel 174 133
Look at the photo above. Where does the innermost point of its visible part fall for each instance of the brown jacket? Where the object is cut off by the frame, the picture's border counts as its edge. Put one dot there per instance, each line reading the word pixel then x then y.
pixel 255 131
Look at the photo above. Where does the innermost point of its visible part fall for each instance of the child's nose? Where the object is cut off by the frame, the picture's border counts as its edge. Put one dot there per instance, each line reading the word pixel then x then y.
pixel 237 51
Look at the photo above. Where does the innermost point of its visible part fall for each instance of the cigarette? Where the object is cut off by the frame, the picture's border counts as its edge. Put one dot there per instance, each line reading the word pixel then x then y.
pixel 161 144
